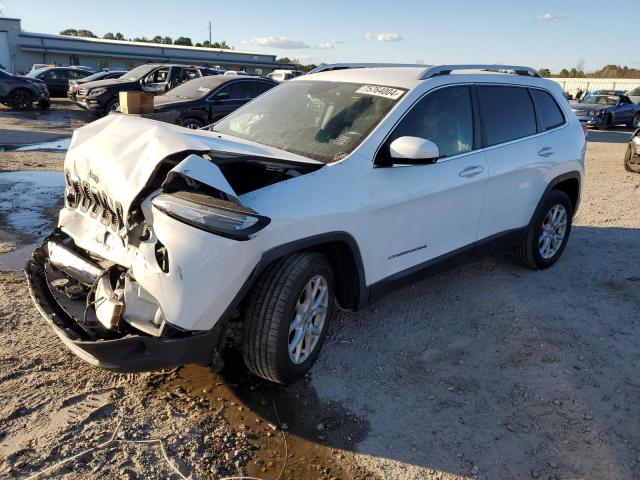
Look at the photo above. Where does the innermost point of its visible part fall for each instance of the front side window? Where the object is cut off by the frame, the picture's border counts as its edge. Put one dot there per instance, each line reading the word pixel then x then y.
pixel 321 120
pixel 550 114
pixel 445 117
pixel 157 78
pixel 507 112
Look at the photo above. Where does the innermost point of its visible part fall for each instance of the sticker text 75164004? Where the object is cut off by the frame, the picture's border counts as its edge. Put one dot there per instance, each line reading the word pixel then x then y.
pixel 378 91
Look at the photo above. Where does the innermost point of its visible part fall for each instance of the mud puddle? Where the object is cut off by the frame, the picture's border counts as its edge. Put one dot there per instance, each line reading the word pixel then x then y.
pixel 29 202
pixel 60 144
pixel 317 437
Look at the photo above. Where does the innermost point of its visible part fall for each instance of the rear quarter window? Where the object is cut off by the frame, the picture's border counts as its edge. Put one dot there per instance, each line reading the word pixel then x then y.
pixel 507 114
pixel 550 113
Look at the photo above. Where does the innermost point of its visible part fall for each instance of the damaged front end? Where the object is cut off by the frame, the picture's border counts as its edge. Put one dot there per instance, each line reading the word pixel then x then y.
pixel 154 248
pixel 84 302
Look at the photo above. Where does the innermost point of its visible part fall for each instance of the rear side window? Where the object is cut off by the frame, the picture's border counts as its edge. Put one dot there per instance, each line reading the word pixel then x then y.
pixel 550 114
pixel 508 114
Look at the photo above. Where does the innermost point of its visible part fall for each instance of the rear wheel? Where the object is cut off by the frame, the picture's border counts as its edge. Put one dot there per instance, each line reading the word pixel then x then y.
pixel 287 317
pixel 548 234
pixel 635 122
pixel 20 99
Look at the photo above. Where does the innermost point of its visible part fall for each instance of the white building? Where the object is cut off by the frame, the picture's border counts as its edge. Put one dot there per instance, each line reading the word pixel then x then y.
pixel 19 50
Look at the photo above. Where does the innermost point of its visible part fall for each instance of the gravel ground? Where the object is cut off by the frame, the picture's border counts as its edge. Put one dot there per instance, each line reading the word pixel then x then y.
pixel 487 371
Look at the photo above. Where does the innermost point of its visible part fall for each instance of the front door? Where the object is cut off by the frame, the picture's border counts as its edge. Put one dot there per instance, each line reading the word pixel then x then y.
pixel 427 212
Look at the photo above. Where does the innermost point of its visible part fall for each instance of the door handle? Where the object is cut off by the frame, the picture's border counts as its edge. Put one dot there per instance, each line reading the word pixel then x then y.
pixel 472 171
pixel 546 152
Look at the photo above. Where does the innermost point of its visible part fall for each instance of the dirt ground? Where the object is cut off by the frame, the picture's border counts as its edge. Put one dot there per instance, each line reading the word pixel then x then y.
pixel 488 371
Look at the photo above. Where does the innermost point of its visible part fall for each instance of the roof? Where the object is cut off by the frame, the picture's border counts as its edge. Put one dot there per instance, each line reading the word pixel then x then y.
pixel 409 76
pixel 140 44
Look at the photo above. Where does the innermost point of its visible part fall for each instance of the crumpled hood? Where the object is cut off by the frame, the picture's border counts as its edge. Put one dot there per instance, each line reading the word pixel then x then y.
pixel 118 154
pixel 589 106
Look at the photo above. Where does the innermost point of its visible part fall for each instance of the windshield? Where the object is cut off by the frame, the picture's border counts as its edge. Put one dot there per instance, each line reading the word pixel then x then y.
pixel 34 73
pixel 138 72
pixel 321 120
pixel 601 99
pixel 194 89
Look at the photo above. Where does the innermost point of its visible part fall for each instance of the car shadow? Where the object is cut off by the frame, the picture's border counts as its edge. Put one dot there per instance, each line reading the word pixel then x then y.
pixel 488 370
pixel 611 135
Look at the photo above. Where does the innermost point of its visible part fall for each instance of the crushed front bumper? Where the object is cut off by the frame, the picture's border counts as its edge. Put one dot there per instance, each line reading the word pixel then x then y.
pixel 130 353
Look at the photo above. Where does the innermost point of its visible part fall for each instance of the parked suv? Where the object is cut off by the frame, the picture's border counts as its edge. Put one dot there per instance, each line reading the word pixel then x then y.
pixel 205 100
pixel 333 188
pixel 57 78
pixel 21 93
pixel 102 96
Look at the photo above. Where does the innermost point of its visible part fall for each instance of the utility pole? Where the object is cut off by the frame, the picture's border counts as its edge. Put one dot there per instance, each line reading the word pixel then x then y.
pixel 209 33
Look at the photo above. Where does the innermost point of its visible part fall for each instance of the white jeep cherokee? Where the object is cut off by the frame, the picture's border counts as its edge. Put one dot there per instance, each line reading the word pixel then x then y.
pixel 335 187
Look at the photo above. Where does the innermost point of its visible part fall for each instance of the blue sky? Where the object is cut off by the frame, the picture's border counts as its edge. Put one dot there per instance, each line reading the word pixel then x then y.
pixel 539 33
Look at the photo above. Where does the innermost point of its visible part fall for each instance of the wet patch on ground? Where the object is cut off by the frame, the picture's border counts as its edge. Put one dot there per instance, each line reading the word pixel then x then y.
pixel 29 202
pixel 293 423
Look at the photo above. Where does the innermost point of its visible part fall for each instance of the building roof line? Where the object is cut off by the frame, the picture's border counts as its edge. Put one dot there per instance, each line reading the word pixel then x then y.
pixel 138 44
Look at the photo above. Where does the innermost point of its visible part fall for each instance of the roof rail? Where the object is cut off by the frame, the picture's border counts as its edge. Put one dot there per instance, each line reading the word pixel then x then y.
pixel 435 71
pixel 345 66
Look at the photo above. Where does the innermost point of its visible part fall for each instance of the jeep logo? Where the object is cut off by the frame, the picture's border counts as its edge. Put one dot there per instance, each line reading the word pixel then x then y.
pixel 93 177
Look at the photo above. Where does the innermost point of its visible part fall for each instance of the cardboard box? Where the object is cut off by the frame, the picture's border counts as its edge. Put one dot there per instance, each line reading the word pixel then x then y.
pixel 136 102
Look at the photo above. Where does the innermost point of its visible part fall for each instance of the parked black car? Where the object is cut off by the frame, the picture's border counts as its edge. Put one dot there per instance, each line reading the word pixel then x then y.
pixel 57 78
pixel 632 156
pixel 22 92
pixel 206 100
pixel 74 85
pixel 102 96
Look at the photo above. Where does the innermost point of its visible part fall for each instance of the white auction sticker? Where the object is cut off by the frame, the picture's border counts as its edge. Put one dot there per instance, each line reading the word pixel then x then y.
pixel 204 89
pixel 386 92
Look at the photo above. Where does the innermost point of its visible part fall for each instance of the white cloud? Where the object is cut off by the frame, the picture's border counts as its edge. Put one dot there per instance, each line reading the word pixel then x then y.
pixel 275 42
pixel 547 17
pixel 383 37
pixel 328 45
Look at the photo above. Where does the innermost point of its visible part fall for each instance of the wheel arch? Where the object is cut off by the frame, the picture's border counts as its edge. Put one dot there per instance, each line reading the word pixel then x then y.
pixel 343 253
pixel 568 183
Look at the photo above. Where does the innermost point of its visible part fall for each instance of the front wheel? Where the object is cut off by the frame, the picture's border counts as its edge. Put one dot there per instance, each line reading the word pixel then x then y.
pixel 112 106
pixel 548 233
pixel 631 162
pixel 192 123
pixel 20 100
pixel 287 317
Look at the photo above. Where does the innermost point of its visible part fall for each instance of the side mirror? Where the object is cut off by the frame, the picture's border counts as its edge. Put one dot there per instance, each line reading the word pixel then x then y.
pixel 413 151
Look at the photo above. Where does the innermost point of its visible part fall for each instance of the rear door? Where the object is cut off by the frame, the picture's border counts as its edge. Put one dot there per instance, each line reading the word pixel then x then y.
pixel 57 81
pixel 517 158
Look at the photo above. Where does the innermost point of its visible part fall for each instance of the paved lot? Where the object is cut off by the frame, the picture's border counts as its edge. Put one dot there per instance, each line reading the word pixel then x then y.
pixel 487 371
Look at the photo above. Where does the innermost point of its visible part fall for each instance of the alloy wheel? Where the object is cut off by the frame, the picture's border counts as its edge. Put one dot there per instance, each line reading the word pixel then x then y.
pixel 310 315
pixel 553 231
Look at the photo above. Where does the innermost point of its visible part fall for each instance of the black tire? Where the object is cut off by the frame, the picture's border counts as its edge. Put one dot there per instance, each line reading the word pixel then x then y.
pixel 20 99
pixel 606 123
pixel 112 105
pixel 191 122
pixel 270 309
pixel 528 252
pixel 635 121
pixel 628 165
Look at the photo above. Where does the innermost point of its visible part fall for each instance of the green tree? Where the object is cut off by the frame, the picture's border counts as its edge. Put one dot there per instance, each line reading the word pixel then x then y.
pixel 564 73
pixel 109 36
pixel 118 36
pixel 86 33
pixel 183 41
pixel 544 72
pixel 70 32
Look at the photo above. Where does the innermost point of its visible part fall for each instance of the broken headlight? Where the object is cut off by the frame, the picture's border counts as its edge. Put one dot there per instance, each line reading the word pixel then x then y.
pixel 214 215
